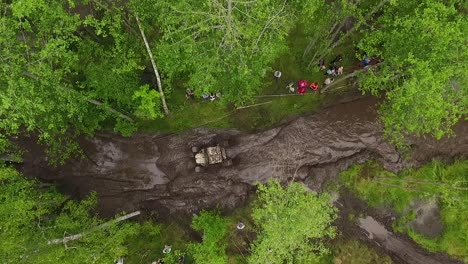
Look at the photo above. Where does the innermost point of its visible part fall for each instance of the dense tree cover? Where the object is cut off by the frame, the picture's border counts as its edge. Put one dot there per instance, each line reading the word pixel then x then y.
pixel 327 29
pixel 68 66
pixel 222 46
pixel 31 215
pixel 213 248
pixel 292 221
pixel 422 46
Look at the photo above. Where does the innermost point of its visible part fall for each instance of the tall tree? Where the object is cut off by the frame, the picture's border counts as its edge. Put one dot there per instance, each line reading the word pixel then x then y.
pixel 325 28
pixel 153 63
pixel 213 248
pixel 423 73
pixel 223 46
pixel 291 222
pixel 64 73
pixel 32 215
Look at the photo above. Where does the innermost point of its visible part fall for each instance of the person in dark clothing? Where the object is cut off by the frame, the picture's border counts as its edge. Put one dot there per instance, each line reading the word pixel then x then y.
pixel 321 64
pixel 366 61
pixel 189 94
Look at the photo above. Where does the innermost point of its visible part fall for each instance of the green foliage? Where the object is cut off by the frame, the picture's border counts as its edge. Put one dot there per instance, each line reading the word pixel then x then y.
pixel 147 246
pixel 213 248
pixel 221 48
pixel 423 73
pixel 64 75
pixel 34 94
pixel 447 183
pixel 149 105
pixel 30 217
pixel 291 222
pixel 125 128
pixel 366 179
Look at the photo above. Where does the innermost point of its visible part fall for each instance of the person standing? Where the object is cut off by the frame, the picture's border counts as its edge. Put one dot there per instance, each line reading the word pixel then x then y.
pixel 302 87
pixel 340 70
pixel 314 86
pixel 321 64
pixel 189 94
pixel 277 75
pixel 328 81
pixel 291 87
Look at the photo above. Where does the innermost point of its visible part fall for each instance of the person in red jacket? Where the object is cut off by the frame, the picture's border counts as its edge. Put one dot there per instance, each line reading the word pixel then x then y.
pixel 314 86
pixel 302 87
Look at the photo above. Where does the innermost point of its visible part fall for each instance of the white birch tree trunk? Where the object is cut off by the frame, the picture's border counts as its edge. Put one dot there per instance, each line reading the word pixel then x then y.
pixel 156 72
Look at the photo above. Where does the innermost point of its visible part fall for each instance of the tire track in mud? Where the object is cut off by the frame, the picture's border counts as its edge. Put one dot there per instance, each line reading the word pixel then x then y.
pixel 156 173
pixel 312 148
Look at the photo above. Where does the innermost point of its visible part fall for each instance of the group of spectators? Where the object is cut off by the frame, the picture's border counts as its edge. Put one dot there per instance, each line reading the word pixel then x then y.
pixel 302 85
pixel 189 94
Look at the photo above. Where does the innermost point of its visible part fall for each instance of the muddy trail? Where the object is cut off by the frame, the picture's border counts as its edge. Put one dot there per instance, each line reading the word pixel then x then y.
pixel 156 172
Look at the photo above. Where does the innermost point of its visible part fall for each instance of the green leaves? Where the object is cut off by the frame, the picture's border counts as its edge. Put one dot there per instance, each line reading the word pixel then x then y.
pixel 62 77
pixel 423 49
pixel 214 228
pixel 30 217
pixel 149 103
pixel 291 223
pixel 223 47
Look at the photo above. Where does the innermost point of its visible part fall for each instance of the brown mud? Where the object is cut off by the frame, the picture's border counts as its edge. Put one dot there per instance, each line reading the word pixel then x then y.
pixel 156 172
pixel 373 226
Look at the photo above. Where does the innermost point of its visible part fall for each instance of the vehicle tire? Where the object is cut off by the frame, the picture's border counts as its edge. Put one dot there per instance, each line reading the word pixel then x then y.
pixel 198 169
pixel 227 162
pixel 195 149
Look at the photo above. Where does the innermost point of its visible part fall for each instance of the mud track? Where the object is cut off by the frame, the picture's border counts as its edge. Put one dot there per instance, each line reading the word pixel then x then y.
pixel 156 172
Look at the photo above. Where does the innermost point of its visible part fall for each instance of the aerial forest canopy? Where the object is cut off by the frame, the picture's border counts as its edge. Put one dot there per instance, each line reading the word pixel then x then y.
pixel 71 68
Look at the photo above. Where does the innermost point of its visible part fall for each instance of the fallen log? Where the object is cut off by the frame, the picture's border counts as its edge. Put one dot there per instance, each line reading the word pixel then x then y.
pixel 80 235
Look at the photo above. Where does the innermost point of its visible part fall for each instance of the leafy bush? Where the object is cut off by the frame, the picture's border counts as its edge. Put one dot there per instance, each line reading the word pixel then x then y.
pixel 291 222
pixel 30 217
pixel 213 249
